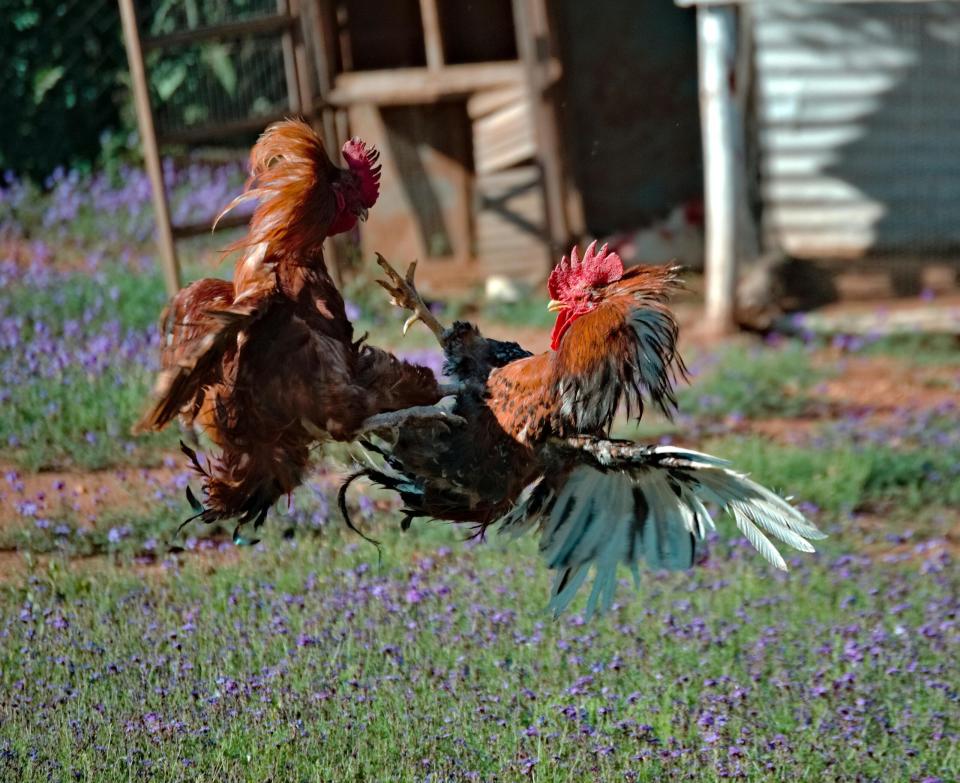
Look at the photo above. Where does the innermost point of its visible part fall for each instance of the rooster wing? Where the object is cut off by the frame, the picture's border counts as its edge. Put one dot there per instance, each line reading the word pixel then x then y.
pixel 199 330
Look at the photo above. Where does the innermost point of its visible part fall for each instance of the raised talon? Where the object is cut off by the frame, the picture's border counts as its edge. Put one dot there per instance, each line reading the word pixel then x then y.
pixel 393 420
pixel 404 294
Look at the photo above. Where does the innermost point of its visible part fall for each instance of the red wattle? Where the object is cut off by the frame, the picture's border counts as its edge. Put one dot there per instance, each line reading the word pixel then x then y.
pixel 564 319
pixel 344 221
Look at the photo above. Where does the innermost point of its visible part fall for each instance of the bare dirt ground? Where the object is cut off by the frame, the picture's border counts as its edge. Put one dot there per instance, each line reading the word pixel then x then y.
pixel 875 390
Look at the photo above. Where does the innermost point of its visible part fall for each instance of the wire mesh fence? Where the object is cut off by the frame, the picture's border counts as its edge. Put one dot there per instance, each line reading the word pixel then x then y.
pixel 231 76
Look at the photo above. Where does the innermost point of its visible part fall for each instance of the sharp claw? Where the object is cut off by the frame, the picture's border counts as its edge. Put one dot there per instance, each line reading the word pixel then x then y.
pixel 410 322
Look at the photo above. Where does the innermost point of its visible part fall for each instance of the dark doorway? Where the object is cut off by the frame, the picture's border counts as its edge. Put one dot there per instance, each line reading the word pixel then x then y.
pixel 630 108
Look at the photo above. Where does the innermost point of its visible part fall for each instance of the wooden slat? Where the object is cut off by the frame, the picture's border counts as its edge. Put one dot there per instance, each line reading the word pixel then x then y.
pixel 263 25
pixel 533 39
pixel 432 40
pixel 857 108
pixel 510 226
pixel 421 85
pixel 504 138
pixel 213 131
pixel 485 102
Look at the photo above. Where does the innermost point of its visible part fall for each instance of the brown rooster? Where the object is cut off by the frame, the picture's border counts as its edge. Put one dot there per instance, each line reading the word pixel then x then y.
pixel 534 451
pixel 267 365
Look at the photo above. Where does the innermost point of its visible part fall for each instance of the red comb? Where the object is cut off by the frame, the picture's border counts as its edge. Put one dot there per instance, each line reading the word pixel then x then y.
pixel 362 160
pixel 573 275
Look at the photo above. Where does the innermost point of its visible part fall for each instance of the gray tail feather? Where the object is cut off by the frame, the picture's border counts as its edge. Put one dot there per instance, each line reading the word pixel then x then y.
pixel 652 509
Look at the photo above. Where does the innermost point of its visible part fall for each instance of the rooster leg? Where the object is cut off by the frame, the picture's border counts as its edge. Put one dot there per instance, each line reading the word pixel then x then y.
pixel 405 295
pixel 410 417
pixel 622 454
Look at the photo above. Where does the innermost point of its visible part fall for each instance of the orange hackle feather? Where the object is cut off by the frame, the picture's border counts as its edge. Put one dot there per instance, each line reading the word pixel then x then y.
pixel 623 348
pixel 290 179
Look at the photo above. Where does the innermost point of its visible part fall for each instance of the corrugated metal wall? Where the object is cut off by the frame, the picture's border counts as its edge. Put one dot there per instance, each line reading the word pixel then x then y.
pixel 858 126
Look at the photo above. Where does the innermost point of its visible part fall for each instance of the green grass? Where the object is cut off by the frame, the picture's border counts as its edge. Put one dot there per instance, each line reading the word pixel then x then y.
pixel 755 383
pixel 917 350
pixel 208 669
pixel 73 402
pixel 99 409
pixel 841 479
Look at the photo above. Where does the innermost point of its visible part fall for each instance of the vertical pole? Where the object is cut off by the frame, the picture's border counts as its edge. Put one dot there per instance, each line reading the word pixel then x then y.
pixel 533 46
pixel 716 34
pixel 318 16
pixel 151 153
pixel 432 40
pixel 290 63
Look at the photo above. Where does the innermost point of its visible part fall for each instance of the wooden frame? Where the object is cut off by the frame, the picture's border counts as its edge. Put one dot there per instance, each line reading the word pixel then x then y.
pixel 535 71
pixel 151 153
pixel 307 30
pixel 287 23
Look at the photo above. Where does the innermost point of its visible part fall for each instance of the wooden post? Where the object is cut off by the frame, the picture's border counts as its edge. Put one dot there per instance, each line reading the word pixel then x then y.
pixel 290 63
pixel 432 40
pixel 716 38
pixel 530 21
pixel 151 153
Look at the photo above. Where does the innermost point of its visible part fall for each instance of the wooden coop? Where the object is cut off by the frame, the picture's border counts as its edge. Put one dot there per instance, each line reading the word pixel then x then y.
pixel 458 96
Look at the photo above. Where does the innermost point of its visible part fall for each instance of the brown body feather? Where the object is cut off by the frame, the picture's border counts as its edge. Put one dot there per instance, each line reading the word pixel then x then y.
pixel 267 365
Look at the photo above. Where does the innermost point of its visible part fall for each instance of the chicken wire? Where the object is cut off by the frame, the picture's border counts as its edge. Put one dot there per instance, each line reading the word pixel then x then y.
pixel 214 82
pixel 158 17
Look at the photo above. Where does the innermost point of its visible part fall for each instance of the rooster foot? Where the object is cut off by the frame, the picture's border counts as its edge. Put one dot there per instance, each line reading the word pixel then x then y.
pixel 411 417
pixel 450 389
pixel 404 294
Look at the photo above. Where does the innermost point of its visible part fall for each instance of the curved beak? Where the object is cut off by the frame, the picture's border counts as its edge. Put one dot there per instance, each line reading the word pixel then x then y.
pixel 555 306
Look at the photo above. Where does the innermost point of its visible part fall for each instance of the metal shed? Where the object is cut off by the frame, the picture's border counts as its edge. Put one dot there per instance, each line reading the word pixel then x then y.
pixel 838 132
pixel 857 126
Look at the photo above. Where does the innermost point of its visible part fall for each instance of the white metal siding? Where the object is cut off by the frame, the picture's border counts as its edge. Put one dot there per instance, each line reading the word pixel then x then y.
pixel 858 126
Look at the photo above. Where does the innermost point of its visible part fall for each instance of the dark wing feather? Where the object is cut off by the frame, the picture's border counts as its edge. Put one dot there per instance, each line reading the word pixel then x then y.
pixel 199 328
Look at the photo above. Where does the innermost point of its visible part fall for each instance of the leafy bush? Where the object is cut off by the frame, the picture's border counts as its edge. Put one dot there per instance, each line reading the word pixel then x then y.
pixel 62 71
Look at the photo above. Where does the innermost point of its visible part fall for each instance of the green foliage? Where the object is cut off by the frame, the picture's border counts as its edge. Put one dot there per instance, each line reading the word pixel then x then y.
pixel 62 66
pixel 64 81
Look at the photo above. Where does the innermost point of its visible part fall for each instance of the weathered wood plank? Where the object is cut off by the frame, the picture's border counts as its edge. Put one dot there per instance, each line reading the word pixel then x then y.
pixel 263 25
pixel 421 85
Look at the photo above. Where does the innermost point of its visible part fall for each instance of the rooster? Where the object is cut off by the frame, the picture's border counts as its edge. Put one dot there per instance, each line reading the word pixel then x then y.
pixel 534 452
pixel 268 365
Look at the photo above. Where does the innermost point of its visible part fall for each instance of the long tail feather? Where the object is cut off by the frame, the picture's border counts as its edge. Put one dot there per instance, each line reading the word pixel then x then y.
pixel 624 503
